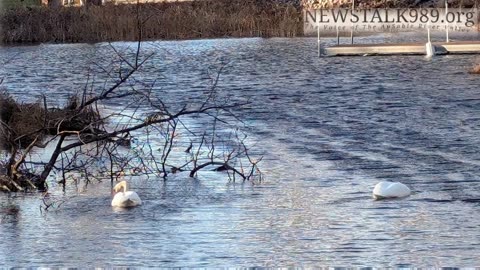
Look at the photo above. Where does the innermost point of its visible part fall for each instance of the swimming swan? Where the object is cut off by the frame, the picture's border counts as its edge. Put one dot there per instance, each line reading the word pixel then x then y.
pixel 125 198
pixel 385 190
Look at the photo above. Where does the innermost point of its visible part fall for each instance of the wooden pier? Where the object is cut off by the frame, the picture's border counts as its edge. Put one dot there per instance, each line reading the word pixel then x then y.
pixel 460 47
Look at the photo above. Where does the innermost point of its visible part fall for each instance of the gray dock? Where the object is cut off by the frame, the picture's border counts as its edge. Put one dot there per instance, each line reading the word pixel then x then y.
pixel 458 47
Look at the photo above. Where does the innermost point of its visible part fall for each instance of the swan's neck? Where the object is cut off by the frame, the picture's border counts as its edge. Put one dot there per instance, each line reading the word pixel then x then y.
pixel 125 186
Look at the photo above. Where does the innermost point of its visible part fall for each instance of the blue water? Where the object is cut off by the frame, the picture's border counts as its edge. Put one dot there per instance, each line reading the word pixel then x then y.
pixel 329 129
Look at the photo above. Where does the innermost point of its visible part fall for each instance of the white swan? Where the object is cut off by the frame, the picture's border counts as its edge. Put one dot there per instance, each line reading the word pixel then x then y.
pixel 125 198
pixel 385 190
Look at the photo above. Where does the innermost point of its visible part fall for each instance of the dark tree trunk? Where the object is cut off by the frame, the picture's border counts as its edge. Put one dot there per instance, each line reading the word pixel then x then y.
pixel 51 162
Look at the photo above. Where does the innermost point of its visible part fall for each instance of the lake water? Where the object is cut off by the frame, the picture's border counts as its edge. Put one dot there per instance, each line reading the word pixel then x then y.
pixel 329 129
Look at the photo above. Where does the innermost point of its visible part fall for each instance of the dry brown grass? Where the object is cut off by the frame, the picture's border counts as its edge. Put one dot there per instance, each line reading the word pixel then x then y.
pixel 179 20
pixel 19 119
pixel 475 69
pixel 30 121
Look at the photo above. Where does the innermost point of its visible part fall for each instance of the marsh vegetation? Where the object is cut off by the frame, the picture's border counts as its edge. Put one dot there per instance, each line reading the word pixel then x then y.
pixel 179 20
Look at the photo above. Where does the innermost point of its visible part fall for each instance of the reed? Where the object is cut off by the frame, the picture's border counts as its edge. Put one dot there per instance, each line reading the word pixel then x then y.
pixel 475 69
pixel 178 20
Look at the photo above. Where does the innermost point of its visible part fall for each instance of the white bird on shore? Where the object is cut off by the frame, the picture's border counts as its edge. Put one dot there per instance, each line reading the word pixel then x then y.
pixel 125 198
pixel 384 190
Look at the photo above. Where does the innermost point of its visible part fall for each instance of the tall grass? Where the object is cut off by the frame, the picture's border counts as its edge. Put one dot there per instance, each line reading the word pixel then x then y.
pixel 179 20
pixel 6 4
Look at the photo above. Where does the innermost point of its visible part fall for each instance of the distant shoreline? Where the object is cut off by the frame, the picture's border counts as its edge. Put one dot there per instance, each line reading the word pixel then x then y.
pixel 161 21
pixel 188 20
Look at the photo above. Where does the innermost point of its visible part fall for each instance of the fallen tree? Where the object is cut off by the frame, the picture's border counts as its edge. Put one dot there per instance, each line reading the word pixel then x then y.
pixel 84 142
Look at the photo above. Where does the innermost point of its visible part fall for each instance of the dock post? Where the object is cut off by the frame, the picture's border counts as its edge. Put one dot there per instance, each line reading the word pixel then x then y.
pixel 351 30
pixel 338 37
pixel 319 45
pixel 428 33
pixel 446 22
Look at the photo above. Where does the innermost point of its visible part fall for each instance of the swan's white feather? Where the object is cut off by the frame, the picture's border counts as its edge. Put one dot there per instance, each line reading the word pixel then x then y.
pixel 385 190
pixel 126 199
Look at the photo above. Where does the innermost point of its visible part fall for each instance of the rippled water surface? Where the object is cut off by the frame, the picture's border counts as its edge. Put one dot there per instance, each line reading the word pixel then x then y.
pixel 329 129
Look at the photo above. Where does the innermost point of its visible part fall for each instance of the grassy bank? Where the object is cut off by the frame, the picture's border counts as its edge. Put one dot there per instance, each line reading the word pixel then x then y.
pixel 8 4
pixel 179 20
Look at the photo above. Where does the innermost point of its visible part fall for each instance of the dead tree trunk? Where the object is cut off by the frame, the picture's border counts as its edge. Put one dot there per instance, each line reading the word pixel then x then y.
pixel 53 159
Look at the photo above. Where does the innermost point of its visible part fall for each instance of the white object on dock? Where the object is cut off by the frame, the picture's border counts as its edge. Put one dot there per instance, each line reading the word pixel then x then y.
pixel 430 49
pixel 319 45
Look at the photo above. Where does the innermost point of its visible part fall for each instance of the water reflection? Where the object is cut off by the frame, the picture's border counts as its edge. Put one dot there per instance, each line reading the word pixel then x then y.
pixel 9 212
pixel 330 129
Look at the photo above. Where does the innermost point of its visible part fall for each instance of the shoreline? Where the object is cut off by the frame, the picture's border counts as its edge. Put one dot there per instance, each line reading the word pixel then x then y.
pixel 413 34
pixel 161 21
pixel 172 21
